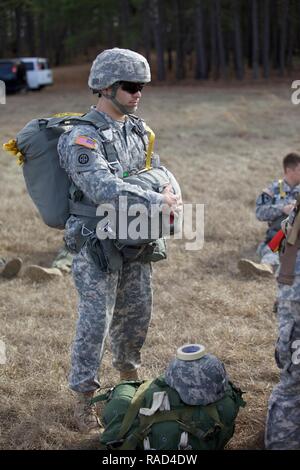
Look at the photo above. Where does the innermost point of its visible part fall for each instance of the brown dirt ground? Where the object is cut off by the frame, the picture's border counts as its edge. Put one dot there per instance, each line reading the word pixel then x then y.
pixel 224 143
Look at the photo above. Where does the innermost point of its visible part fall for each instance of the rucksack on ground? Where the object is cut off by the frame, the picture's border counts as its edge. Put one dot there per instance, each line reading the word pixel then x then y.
pixel 131 422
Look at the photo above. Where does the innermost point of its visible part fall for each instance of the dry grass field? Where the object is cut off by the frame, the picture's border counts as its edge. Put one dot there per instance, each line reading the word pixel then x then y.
pixel 224 144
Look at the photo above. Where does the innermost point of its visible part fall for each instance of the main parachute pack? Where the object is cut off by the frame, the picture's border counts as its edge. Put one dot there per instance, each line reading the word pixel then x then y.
pixel 49 185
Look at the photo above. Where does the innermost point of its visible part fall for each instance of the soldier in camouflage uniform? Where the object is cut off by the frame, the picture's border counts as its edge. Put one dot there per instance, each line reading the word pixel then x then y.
pixel 283 420
pixel 273 205
pixel 118 302
pixel 60 265
pixel 36 273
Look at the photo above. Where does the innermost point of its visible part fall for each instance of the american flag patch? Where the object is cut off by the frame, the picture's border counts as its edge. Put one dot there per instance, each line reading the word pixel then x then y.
pixel 86 142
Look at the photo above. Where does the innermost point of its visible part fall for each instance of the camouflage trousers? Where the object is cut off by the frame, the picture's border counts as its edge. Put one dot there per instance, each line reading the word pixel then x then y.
pixel 267 256
pixel 118 304
pixel 283 420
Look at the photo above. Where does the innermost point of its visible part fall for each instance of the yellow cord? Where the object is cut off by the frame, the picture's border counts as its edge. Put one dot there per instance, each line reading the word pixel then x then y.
pixel 150 147
pixel 11 147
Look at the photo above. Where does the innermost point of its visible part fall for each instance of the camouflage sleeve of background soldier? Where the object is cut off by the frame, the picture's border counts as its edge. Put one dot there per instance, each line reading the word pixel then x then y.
pixel 90 171
pixel 267 209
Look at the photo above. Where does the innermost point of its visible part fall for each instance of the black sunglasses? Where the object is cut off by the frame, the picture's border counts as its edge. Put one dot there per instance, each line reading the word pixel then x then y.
pixel 132 87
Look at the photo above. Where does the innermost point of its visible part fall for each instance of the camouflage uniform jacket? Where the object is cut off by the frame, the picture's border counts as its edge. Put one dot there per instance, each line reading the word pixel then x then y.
pixel 287 292
pixel 89 170
pixel 270 202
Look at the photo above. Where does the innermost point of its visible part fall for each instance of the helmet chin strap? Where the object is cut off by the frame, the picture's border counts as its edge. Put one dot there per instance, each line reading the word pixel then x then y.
pixel 120 107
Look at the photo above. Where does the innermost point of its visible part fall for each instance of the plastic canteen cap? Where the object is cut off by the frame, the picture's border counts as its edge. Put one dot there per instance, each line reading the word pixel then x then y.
pixel 190 352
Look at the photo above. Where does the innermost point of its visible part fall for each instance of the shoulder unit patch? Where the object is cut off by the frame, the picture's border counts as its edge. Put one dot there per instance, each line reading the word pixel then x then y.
pixel 83 159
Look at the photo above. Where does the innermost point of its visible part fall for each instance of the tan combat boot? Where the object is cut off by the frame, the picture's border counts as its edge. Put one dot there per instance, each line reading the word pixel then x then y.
pixel 85 415
pixel 248 267
pixel 39 274
pixel 11 268
pixel 129 375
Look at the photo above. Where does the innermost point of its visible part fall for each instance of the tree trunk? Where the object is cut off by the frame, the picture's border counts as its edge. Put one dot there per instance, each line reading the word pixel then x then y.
pixel 238 49
pixel 266 39
pixel 297 26
pixel 274 36
pixel 124 15
pixel 214 68
pixel 156 16
pixel 255 65
pixel 179 37
pixel 42 45
pixel 248 35
pixel 170 58
pixel 3 34
pixel 220 41
pixel 18 26
pixel 201 60
pixel 146 30
pixel 59 44
pixel 290 42
pixel 283 36
pixel 30 33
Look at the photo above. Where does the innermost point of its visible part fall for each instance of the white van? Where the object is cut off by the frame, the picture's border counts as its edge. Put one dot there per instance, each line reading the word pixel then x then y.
pixel 38 73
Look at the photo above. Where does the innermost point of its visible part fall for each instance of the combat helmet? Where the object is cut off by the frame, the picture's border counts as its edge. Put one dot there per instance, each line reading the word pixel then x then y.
pixel 197 381
pixel 115 65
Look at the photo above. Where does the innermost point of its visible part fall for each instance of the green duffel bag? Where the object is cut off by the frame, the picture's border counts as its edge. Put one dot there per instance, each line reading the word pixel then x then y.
pixel 131 420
